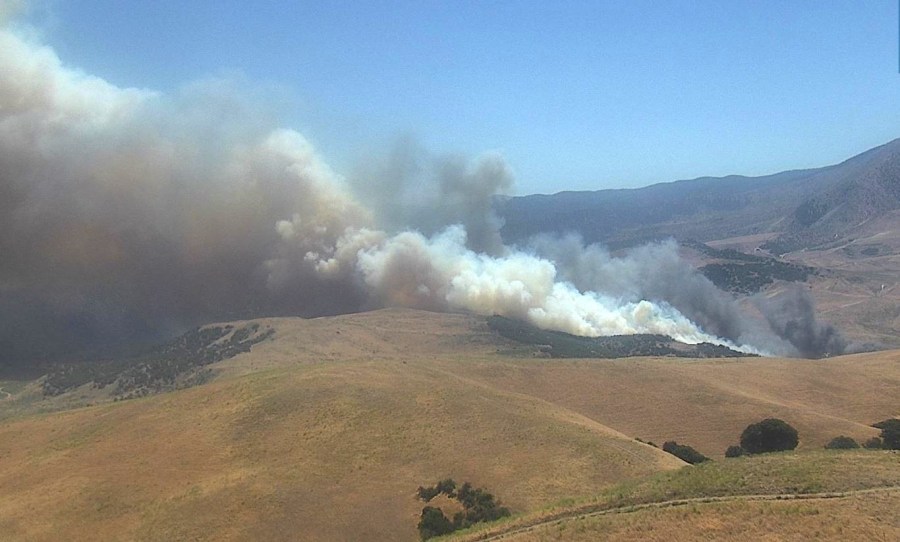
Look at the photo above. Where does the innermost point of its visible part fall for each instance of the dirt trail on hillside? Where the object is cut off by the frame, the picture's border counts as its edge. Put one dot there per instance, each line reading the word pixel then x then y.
pixel 591 511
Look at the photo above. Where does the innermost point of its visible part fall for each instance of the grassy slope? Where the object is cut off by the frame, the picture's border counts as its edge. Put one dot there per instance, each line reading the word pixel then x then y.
pixel 327 430
pixel 861 517
pixel 332 451
pixel 707 403
pixel 855 516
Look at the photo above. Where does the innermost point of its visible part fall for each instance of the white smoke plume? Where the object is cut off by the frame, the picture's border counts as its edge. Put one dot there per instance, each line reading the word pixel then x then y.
pixel 126 215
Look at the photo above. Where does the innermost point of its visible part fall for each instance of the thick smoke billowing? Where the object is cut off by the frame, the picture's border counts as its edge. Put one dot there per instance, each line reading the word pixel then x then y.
pixel 128 215
pixel 657 272
pixel 793 316
pixel 411 189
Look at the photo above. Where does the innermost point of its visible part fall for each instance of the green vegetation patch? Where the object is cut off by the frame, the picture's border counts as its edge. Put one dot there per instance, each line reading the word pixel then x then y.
pixel 557 344
pixel 743 273
pixel 749 278
pixel 176 364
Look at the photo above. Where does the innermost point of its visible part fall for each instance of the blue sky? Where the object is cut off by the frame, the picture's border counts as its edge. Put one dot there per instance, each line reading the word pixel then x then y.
pixel 576 95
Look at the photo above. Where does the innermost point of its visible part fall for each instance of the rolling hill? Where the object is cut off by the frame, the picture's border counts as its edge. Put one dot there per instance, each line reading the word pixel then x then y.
pixel 325 429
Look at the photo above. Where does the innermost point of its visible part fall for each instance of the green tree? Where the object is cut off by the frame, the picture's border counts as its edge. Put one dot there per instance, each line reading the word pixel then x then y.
pixel 890 433
pixel 433 523
pixel 769 435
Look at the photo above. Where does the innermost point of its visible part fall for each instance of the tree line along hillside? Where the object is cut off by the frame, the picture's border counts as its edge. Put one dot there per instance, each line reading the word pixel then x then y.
pixel 176 364
pixel 557 344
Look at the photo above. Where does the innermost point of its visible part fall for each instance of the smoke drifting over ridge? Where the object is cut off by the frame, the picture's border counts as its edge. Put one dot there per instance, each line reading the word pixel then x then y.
pixel 126 214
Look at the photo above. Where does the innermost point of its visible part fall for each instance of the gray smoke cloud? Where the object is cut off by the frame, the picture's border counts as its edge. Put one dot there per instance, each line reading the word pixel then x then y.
pixel 412 189
pixel 792 315
pixel 128 215
pixel 785 325
pixel 657 272
pixel 124 206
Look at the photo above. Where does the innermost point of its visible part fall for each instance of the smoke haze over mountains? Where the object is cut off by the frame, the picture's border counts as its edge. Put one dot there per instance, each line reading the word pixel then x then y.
pixel 128 215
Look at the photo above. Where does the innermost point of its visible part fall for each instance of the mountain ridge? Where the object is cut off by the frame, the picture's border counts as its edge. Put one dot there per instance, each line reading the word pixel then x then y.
pixel 710 208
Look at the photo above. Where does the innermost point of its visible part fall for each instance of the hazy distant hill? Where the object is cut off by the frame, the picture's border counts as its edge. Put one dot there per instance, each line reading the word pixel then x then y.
pixel 802 208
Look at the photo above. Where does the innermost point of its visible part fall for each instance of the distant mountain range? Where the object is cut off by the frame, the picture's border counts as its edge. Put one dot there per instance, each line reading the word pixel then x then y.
pixel 798 209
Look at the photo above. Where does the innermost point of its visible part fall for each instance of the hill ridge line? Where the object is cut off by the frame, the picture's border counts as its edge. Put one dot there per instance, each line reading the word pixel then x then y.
pixel 762 397
pixel 587 511
pixel 618 438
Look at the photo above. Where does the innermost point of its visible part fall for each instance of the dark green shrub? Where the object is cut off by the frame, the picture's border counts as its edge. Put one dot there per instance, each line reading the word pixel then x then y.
pixel 873 443
pixel 433 523
pixel 734 451
pixel 842 443
pixel 447 487
pixel 427 493
pixel 890 433
pixel 480 506
pixel 684 452
pixel 769 435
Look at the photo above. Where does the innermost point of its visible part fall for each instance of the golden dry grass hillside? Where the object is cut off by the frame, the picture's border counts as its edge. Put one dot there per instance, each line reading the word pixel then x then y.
pixel 325 431
pixel 813 495
pixel 856 517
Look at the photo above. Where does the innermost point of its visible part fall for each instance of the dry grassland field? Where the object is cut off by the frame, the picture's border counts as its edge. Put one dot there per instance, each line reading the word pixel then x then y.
pixel 325 430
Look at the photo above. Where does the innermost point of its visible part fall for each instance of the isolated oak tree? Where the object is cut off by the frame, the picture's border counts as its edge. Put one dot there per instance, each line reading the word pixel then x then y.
pixel 769 435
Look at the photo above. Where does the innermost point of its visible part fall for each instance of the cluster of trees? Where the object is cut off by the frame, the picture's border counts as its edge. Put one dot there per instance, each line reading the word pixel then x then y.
pixel 478 505
pixel 774 435
pixel 769 435
pixel 889 439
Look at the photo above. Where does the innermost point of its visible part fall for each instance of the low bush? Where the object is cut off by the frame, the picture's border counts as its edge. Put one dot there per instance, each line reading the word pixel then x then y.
pixel 734 451
pixel 684 452
pixel 873 443
pixel 842 443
